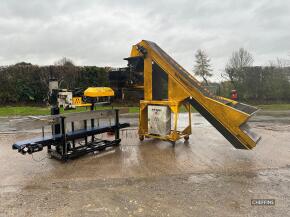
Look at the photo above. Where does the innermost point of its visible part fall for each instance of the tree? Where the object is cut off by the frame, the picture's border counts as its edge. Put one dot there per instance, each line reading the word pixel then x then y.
pixel 280 63
pixel 239 60
pixel 66 67
pixel 64 62
pixel 23 64
pixel 202 66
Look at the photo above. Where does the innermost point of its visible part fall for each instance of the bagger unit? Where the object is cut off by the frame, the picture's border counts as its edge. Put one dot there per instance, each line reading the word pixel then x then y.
pixel 167 84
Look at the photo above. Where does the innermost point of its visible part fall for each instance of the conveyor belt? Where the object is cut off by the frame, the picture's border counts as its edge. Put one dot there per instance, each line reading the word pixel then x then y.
pixel 54 139
pixel 227 116
pixel 189 80
pixel 219 126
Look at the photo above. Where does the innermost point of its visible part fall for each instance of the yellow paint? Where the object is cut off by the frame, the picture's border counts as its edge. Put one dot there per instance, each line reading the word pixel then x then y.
pixel 78 102
pixel 98 92
pixel 178 91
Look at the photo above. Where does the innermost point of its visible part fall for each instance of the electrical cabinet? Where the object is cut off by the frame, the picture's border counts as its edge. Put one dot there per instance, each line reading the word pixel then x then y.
pixel 159 120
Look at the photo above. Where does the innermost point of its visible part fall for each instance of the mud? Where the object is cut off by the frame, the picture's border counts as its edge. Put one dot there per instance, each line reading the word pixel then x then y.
pixel 204 177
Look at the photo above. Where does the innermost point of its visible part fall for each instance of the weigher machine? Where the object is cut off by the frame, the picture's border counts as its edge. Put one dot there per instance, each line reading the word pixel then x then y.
pixel 72 134
pixel 168 87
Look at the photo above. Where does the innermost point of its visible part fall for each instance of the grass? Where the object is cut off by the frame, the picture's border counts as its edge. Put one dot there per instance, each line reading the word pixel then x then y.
pixel 23 110
pixel 273 107
pixel 34 110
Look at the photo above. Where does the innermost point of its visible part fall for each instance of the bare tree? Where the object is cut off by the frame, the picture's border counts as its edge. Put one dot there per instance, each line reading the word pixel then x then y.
pixel 279 63
pixel 202 66
pixel 65 66
pixel 239 60
pixel 64 62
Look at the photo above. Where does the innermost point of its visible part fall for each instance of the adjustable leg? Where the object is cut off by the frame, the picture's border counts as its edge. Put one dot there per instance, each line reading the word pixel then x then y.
pixel 117 129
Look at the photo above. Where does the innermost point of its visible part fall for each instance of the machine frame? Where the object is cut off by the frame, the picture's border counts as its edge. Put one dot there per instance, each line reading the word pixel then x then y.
pixel 166 82
pixel 174 106
pixel 66 144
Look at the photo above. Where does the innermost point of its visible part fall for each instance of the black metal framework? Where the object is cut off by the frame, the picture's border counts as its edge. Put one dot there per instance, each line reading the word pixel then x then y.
pixel 63 145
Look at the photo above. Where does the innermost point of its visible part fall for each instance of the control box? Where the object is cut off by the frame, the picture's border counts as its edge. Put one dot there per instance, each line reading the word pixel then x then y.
pixel 159 120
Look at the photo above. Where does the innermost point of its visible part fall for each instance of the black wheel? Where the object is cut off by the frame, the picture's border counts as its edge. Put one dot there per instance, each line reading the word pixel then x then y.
pixel 173 143
pixel 186 138
pixel 141 137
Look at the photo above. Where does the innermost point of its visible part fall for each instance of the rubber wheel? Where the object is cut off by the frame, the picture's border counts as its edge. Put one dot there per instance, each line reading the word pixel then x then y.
pixel 141 138
pixel 186 138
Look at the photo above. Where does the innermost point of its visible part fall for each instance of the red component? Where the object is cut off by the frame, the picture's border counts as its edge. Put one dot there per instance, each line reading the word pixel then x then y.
pixel 111 133
pixel 234 95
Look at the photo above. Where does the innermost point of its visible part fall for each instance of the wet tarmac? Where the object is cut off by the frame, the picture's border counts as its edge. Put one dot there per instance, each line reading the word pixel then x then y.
pixel 204 177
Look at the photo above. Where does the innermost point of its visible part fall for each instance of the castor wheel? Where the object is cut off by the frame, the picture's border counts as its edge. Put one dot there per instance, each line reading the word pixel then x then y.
pixel 172 143
pixel 186 138
pixel 141 138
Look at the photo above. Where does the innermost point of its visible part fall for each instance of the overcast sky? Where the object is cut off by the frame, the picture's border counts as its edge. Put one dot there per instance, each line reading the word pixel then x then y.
pixel 102 32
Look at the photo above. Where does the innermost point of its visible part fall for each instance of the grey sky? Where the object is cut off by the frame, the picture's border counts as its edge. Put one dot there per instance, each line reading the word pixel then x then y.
pixel 102 32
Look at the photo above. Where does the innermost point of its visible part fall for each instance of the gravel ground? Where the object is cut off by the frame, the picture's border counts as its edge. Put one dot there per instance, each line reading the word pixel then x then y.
pixel 206 177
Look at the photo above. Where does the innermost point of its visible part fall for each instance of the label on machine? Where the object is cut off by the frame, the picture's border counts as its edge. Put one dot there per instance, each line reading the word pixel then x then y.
pixel 159 120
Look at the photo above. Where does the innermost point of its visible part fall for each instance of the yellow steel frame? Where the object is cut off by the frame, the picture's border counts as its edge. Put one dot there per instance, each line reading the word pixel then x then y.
pixel 176 97
pixel 174 106
pixel 227 116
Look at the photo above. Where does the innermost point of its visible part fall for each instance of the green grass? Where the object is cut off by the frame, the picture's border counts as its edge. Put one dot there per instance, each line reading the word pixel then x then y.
pixel 23 110
pixel 273 107
pixel 31 110
pixel 34 110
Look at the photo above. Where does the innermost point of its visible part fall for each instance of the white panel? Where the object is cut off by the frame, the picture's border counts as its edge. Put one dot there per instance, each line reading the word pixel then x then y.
pixel 159 120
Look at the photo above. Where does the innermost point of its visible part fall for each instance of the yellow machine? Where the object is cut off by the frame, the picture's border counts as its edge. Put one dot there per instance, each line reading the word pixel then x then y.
pixel 96 92
pixel 167 84
pixel 99 93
